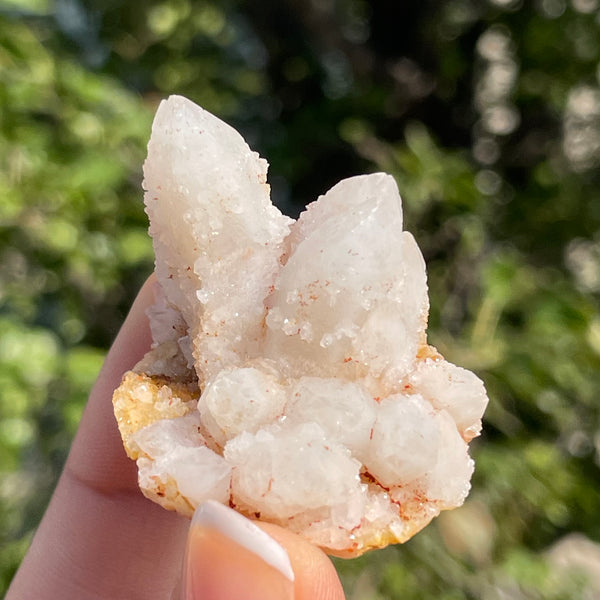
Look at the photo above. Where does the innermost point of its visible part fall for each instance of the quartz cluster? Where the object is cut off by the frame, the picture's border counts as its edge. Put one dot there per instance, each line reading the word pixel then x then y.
pixel 290 376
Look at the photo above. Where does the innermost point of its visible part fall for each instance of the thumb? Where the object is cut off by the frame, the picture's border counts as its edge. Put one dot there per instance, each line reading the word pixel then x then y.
pixel 229 557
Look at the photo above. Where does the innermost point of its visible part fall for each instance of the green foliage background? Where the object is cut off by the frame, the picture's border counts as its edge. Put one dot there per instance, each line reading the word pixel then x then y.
pixel 487 114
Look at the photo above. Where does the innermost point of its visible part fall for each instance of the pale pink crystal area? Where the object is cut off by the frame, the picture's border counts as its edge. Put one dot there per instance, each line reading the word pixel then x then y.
pixel 318 404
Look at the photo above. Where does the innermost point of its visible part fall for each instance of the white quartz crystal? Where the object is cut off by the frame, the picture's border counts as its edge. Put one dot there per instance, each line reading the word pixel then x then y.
pixel 282 471
pixel 343 409
pixel 456 390
pixel 338 305
pixel 217 237
pixel 238 400
pixel 176 451
pixel 405 440
pixel 321 407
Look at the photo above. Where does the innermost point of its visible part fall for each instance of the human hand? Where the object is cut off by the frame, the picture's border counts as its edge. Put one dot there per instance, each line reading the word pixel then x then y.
pixel 100 538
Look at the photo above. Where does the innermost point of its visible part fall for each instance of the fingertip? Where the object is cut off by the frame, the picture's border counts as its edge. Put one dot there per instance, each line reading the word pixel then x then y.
pixel 228 557
pixel 315 574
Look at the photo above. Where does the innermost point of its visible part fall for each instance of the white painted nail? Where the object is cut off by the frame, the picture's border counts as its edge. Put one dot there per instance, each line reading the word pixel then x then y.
pixel 245 533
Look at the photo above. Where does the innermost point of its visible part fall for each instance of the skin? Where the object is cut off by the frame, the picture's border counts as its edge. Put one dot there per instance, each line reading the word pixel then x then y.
pixel 101 539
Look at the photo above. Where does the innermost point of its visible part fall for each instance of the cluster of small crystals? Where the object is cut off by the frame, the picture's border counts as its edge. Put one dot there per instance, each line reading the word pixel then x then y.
pixel 319 408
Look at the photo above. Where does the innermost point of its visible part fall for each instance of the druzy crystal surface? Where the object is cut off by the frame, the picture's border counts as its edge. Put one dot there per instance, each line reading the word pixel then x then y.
pixel 290 375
